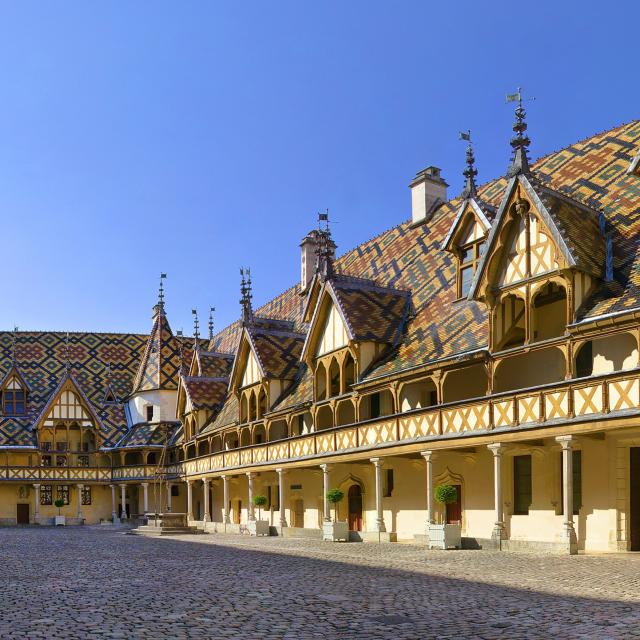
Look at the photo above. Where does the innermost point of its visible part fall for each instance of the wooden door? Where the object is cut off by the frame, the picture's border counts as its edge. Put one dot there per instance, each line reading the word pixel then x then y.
pixel 634 499
pixel 298 513
pixel 454 510
pixel 237 511
pixel 22 514
pixel 355 508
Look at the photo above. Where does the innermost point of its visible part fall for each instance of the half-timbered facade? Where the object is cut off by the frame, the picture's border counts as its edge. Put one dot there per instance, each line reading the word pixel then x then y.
pixel 491 343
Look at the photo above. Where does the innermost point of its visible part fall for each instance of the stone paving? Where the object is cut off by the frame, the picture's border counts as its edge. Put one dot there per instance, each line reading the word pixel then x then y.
pixel 96 582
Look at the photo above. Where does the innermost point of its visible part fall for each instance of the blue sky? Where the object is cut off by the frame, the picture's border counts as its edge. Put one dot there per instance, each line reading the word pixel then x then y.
pixel 196 137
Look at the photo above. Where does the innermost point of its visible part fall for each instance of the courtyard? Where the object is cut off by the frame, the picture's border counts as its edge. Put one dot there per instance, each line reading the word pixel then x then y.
pixel 80 582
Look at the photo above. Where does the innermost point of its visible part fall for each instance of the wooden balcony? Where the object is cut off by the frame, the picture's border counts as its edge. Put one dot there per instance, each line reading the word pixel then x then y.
pixel 581 400
pixel 56 474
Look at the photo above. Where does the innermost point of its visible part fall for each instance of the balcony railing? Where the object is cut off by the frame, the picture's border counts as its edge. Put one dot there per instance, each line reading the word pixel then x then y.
pixel 573 400
pixel 59 474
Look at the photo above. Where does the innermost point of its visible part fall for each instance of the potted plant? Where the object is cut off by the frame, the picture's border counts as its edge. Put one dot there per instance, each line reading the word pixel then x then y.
pixel 335 530
pixel 60 520
pixel 259 527
pixel 443 535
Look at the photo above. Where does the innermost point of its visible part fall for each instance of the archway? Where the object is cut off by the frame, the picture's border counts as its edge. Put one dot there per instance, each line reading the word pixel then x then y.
pixel 549 311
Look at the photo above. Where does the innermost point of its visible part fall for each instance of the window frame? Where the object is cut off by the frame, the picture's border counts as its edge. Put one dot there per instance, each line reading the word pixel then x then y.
pixel 477 247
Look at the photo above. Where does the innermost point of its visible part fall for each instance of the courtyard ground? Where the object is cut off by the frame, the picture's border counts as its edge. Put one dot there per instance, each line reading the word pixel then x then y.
pixel 80 582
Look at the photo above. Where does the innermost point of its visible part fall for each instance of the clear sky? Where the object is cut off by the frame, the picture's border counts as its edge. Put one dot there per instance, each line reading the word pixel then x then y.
pixel 195 137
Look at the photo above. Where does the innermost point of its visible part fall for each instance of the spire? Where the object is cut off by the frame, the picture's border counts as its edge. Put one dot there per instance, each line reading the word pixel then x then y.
pixel 470 172
pixel 325 247
pixel 159 308
pixel 520 142
pixel 211 311
pixel 196 328
pixel 14 341
pixel 245 291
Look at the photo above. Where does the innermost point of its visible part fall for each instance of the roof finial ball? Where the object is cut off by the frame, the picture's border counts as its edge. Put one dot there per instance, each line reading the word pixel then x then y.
pixel 470 171
pixel 520 142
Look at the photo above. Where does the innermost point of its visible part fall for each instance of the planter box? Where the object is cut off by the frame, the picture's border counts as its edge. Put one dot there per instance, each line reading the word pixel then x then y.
pixel 60 521
pixel 444 536
pixel 258 527
pixel 335 531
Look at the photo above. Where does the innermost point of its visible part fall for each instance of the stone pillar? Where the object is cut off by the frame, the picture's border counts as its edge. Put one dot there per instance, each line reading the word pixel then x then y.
pixel 428 458
pixel 123 500
pixel 189 501
pixel 325 490
pixel 205 490
pixel 377 463
pixel 283 517
pixel 169 497
pixel 251 510
pixel 225 497
pixel 568 531
pixel 36 507
pixel 79 513
pixel 145 497
pixel 114 513
pixel 498 526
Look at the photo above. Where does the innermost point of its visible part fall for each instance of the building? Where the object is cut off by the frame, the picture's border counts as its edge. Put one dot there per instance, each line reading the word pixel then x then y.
pixel 491 343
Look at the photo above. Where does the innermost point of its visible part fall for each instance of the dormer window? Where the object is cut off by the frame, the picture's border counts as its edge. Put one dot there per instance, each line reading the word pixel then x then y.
pixel 469 258
pixel 13 397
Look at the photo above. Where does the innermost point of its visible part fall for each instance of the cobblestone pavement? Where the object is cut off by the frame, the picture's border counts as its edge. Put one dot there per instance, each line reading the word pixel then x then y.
pixel 96 582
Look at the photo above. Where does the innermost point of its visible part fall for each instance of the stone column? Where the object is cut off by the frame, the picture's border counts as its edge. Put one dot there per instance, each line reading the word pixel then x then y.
pixel 145 497
pixel 169 497
pixel 498 526
pixel 377 463
pixel 189 501
pixel 79 513
pixel 123 500
pixel 114 513
pixel 325 490
pixel 225 497
pixel 36 507
pixel 568 531
pixel 252 513
pixel 428 458
pixel 283 518
pixel 205 490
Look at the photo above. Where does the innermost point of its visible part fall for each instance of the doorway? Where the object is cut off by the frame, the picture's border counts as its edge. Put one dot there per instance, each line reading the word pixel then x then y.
pixel 454 509
pixel 634 499
pixel 298 513
pixel 22 514
pixel 355 507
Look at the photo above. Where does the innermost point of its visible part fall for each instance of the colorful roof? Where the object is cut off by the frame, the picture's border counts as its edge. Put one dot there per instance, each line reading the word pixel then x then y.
pixel 205 392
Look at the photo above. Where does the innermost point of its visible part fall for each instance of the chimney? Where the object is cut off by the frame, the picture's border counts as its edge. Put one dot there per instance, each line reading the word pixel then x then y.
pixel 308 257
pixel 427 189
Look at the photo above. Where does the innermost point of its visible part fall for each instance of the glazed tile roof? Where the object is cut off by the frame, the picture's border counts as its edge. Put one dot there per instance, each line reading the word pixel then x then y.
pixel 212 364
pixel 41 357
pixel 205 392
pixel 592 174
pixel 146 434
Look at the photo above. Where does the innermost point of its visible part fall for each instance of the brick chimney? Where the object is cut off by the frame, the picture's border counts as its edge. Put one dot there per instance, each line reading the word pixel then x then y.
pixel 308 249
pixel 428 189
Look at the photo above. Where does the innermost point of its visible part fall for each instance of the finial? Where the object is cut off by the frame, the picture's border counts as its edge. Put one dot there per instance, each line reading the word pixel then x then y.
pixel 245 290
pixel 520 142
pixel 14 340
pixel 179 335
pixel 470 172
pixel 325 247
pixel 67 362
pixel 211 312
pixel 196 326
pixel 160 305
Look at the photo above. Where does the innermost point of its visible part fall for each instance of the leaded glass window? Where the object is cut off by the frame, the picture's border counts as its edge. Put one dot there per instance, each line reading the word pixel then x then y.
pixel 46 495
pixel 86 495
pixel 62 493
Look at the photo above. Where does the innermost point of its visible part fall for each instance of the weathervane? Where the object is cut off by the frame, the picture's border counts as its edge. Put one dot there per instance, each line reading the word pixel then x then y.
pixel 325 246
pixel 246 295
pixel 161 292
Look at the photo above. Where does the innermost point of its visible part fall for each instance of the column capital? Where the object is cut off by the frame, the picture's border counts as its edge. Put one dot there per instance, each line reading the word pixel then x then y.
pixel 280 471
pixel 497 448
pixel 376 461
pixel 427 455
pixel 325 467
pixel 36 485
pixel 80 485
pixel 144 484
pixel 250 474
pixel 566 442
pixel 206 480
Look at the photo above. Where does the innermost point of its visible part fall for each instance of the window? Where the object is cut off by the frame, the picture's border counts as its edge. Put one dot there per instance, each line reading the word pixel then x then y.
pixel 388 483
pixel 13 398
pixel 46 495
pixel 469 257
pixel 61 461
pixel 83 461
pixel 175 491
pixel 374 400
pixel 149 409
pixel 86 495
pixel 61 446
pixel 46 461
pixel 521 485
pixel 46 446
pixel 577 483
pixel 62 493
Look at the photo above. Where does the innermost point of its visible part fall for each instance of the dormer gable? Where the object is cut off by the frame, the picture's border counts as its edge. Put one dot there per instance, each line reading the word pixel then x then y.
pixel 15 390
pixel 538 232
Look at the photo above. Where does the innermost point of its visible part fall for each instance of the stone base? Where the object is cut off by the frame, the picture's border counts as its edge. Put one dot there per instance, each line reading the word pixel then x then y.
pixel 165 524
pixel 539 547
pixel 258 527
pixel 373 536
pixel 299 532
